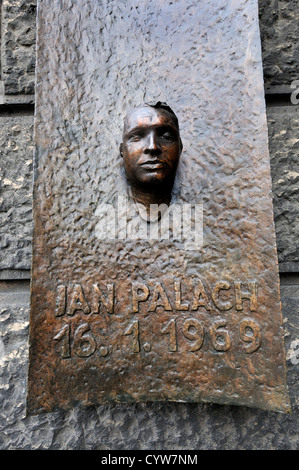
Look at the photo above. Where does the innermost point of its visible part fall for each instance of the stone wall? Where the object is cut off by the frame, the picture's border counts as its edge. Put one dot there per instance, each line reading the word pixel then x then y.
pixel 140 426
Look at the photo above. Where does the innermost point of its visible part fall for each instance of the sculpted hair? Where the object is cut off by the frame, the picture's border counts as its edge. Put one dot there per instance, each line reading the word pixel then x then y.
pixel 163 105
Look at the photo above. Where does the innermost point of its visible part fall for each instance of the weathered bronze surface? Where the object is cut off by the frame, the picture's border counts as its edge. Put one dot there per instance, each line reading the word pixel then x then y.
pixel 121 319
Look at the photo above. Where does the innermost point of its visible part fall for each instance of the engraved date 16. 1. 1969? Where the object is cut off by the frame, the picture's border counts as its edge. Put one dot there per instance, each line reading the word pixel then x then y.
pixel 81 341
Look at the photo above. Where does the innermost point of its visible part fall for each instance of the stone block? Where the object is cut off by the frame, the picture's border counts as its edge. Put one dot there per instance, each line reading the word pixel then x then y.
pixel 18 27
pixel 283 128
pixel 16 152
pixel 280 45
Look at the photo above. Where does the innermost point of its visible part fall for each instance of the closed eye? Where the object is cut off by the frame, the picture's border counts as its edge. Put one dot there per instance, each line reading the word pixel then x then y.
pixel 136 135
pixel 167 134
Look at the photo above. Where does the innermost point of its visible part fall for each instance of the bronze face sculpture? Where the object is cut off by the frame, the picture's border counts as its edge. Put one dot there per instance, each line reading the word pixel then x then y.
pixel 151 150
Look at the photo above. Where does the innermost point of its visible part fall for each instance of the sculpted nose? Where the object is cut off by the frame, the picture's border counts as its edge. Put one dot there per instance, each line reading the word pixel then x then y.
pixel 152 144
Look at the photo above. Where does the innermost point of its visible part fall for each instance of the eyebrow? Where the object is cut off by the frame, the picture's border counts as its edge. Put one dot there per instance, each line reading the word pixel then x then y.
pixel 141 128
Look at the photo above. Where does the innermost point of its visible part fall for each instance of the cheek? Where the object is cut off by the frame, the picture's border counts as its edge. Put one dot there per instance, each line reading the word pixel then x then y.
pixel 172 154
pixel 132 152
pixel 130 161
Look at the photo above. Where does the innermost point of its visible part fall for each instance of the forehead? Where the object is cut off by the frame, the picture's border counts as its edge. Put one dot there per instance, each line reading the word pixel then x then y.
pixel 147 116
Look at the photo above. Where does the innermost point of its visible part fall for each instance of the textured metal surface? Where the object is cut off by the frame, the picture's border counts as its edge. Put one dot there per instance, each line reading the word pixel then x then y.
pixel 135 320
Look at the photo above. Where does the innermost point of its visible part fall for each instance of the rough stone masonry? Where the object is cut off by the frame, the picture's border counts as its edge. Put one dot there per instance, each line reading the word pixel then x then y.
pixel 141 426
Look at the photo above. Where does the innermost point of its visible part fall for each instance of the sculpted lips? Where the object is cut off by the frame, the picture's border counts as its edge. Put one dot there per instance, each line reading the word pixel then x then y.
pixel 153 164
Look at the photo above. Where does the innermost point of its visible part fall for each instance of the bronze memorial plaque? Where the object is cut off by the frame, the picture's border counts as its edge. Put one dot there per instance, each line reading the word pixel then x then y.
pixel 155 274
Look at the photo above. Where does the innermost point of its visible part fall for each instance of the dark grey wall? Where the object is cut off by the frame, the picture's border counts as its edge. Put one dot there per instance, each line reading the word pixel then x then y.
pixel 146 426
